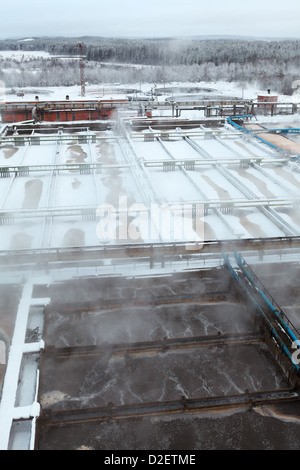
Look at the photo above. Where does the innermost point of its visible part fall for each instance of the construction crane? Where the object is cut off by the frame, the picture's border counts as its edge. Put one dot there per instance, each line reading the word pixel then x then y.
pixel 82 79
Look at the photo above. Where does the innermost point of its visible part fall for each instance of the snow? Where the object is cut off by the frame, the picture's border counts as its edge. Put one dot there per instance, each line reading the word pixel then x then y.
pixel 111 90
pixel 75 189
pixel 23 55
pixel 71 189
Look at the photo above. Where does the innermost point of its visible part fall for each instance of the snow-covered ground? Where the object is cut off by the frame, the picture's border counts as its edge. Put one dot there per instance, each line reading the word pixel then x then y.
pixel 112 90
pixel 45 189
pixel 117 184
pixel 120 183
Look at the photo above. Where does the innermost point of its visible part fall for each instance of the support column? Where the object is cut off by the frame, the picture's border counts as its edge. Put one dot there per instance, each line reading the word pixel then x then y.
pixel 8 411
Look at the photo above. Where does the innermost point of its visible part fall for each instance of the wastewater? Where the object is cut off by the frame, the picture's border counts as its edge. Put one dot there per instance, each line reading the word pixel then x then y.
pixel 115 379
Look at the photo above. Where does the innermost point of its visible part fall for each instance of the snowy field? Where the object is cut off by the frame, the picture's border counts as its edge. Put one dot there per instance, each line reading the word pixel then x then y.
pixel 20 56
pixel 30 198
pixel 133 170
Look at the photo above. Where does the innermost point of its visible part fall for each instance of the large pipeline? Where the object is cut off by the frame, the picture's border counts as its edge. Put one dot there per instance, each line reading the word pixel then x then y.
pixel 259 307
pixel 274 310
pixel 248 131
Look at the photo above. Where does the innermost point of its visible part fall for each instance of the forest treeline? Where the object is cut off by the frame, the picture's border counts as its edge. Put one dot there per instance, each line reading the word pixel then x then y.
pixel 270 64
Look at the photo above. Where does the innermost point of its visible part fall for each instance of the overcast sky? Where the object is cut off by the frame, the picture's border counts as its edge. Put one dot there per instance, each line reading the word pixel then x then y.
pixel 149 18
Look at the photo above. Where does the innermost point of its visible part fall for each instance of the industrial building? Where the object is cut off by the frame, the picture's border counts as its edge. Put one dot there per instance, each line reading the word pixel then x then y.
pixel 149 293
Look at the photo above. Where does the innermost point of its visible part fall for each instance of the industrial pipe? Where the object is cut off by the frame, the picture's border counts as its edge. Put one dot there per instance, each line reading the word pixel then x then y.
pixel 229 119
pixel 278 315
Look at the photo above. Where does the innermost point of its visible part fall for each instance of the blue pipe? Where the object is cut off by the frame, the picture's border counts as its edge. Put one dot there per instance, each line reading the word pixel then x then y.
pixel 235 275
pixel 262 294
pixel 272 329
pixel 229 119
pixel 266 142
pixel 282 322
pixel 249 131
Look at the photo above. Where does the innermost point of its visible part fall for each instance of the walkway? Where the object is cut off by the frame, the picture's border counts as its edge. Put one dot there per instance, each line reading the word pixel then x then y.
pixel 280 141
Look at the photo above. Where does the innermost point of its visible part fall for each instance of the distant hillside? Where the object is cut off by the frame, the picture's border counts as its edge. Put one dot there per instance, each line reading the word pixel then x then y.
pixel 270 63
pixel 182 38
pixel 241 38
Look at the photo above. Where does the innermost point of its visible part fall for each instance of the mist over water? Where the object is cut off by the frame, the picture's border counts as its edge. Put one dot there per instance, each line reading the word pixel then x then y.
pixel 131 378
pixel 121 314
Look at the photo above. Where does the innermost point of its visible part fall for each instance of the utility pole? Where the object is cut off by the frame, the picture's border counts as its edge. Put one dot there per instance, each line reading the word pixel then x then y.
pixel 82 79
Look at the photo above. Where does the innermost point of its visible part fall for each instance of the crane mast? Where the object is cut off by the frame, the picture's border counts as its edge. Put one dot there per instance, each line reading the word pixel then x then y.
pixel 82 78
